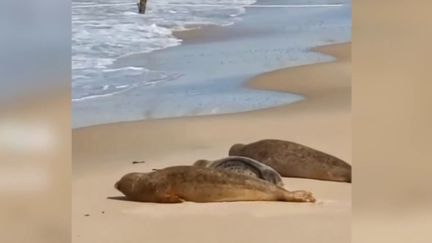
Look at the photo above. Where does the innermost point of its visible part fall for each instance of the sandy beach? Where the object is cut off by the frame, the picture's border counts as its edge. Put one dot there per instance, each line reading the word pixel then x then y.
pixel 102 154
pixel 221 88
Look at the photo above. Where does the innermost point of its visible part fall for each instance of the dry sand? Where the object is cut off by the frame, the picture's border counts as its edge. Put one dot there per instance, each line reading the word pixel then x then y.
pixel 102 154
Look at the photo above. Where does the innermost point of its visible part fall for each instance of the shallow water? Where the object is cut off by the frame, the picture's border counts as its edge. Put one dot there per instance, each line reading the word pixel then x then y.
pixel 104 30
pixel 122 70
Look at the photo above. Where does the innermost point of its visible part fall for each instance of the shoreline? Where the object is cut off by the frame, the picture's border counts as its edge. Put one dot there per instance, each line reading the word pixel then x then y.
pixel 334 50
pixel 256 84
pixel 332 97
pixel 210 68
pixel 102 154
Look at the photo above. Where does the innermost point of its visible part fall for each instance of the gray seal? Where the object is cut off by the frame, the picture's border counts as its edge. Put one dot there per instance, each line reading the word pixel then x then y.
pixel 200 184
pixel 295 160
pixel 245 166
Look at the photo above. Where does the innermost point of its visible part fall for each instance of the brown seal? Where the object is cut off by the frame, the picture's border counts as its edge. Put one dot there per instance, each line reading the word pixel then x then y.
pixel 245 166
pixel 200 184
pixel 295 160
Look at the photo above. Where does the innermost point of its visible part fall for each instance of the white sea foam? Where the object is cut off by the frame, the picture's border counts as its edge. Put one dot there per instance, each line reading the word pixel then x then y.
pixel 111 85
pixel 105 30
pixel 107 70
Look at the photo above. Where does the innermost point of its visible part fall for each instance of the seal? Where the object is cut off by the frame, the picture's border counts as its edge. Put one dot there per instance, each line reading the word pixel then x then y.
pixel 245 166
pixel 295 160
pixel 200 184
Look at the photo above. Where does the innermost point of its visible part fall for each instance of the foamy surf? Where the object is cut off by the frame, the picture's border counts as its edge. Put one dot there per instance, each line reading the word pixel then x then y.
pixel 106 30
pixel 127 78
pixel 198 78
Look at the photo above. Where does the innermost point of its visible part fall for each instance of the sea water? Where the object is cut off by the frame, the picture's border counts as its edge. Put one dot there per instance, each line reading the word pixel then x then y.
pixel 114 78
pixel 105 30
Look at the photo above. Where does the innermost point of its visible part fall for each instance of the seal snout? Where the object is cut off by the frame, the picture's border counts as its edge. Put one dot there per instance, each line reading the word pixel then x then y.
pixel 125 181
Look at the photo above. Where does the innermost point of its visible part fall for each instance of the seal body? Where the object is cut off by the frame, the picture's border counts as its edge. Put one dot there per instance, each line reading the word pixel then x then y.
pixel 245 166
pixel 200 184
pixel 295 160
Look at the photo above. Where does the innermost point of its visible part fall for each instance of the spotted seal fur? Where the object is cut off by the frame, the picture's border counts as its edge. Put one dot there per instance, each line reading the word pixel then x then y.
pixel 295 160
pixel 245 166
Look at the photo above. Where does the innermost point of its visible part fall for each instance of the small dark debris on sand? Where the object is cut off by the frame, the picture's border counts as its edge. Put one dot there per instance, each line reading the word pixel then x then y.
pixel 138 162
pixel 86 215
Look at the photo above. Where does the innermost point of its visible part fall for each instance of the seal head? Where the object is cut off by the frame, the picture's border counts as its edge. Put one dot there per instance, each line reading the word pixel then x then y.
pixel 137 187
pixel 202 162
pixel 236 149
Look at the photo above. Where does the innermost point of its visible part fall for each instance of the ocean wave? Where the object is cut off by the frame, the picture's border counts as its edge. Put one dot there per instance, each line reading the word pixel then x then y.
pixel 122 79
pixel 101 35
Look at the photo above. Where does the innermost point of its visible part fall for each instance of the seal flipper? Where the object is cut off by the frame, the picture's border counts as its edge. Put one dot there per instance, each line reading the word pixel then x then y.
pixel 170 198
pixel 297 196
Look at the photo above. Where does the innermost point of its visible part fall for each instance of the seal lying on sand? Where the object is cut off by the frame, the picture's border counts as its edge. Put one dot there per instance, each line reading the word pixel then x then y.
pixel 295 160
pixel 200 184
pixel 245 166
